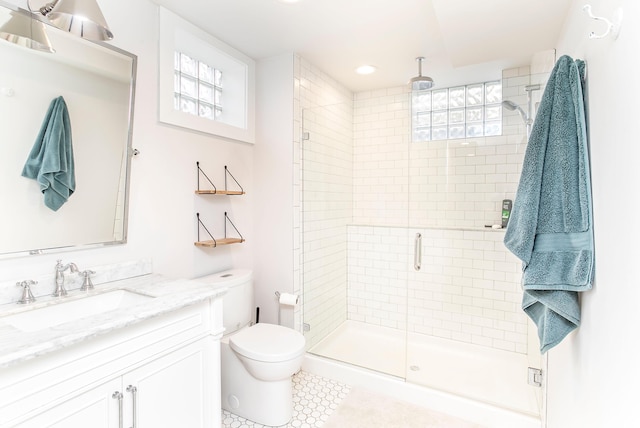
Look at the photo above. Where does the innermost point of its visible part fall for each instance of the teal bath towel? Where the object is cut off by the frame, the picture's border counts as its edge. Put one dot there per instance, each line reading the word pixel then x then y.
pixel 50 162
pixel 550 228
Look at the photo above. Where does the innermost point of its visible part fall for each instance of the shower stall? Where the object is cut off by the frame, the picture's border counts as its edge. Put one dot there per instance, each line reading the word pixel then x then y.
pixel 400 273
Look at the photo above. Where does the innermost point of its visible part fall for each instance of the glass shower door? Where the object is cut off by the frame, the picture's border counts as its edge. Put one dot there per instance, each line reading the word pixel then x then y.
pixel 355 252
pixel 466 332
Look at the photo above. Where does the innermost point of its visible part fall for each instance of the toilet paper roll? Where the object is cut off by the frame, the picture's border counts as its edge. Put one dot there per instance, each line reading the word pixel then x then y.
pixel 287 299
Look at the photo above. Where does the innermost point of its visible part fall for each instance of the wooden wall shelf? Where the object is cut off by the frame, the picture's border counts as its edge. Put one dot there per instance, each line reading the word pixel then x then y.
pixel 215 242
pixel 215 190
pixel 219 192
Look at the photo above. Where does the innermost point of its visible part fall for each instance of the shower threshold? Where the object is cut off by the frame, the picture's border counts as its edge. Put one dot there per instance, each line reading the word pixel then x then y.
pixel 365 345
pixel 480 373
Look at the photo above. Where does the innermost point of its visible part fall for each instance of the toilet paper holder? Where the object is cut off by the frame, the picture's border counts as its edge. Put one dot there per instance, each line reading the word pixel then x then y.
pixel 285 299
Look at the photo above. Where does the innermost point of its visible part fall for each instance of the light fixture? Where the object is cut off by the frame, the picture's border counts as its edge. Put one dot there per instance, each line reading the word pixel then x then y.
pixel 420 82
pixel 80 17
pixel 366 69
pixel 25 31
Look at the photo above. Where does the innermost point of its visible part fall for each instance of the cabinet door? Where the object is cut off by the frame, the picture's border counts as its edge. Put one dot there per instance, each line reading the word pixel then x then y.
pixel 176 390
pixel 95 408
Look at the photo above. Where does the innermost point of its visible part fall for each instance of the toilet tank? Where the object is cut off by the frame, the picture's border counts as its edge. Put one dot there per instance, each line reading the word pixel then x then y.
pixel 237 303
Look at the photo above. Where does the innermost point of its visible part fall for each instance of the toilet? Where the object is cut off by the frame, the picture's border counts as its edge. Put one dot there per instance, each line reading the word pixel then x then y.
pixel 257 361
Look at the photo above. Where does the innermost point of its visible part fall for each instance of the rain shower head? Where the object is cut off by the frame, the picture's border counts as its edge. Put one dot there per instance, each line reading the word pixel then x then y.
pixel 420 82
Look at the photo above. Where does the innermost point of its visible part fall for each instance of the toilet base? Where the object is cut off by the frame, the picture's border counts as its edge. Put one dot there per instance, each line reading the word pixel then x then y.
pixel 267 403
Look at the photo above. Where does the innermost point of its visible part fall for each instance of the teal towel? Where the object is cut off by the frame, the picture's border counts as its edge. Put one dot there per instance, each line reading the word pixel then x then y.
pixel 50 162
pixel 550 228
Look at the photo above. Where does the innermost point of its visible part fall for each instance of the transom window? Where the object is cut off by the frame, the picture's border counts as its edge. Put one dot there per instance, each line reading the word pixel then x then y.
pixel 458 112
pixel 204 84
pixel 197 87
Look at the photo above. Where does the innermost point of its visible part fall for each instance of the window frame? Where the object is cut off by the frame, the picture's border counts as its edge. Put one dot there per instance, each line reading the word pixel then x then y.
pixel 238 121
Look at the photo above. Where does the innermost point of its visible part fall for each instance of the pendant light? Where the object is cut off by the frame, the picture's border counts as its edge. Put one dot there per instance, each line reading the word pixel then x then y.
pixel 23 30
pixel 80 17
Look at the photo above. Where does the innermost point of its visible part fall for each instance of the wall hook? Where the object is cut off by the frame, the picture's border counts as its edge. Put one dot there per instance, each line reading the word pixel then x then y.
pixel 613 26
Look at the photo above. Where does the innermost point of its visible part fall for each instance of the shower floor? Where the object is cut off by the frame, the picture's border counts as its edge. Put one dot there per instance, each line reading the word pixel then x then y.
pixel 480 373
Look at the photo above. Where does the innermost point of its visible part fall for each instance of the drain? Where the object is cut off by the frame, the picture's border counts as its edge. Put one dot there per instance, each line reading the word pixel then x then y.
pixel 414 368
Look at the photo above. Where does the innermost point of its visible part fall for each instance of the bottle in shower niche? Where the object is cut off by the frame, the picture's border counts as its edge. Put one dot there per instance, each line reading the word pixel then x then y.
pixel 506 211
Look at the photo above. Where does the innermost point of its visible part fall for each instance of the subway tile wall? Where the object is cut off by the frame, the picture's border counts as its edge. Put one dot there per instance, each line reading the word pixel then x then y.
pixel 324 155
pixel 448 183
pixel 382 123
pixel 366 190
pixel 467 288
pixel 449 191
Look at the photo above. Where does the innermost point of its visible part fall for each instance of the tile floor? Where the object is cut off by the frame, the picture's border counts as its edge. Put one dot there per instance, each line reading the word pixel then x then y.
pixel 314 399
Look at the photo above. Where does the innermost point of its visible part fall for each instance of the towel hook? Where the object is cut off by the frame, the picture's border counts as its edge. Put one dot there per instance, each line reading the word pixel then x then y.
pixel 613 27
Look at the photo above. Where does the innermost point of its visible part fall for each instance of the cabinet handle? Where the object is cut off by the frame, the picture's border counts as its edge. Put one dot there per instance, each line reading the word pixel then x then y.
pixel 134 393
pixel 118 396
pixel 417 252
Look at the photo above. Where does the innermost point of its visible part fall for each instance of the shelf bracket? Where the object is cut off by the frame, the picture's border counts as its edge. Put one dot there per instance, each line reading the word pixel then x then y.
pixel 200 223
pixel 228 220
pixel 200 171
pixel 228 173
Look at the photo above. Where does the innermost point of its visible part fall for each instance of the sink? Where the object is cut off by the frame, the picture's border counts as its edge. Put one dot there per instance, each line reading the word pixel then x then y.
pixel 63 311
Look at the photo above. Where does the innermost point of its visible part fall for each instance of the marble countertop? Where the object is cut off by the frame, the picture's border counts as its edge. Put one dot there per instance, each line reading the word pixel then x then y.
pixel 169 295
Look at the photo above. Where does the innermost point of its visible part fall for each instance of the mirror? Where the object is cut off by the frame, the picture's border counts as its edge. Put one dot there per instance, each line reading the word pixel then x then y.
pixel 97 83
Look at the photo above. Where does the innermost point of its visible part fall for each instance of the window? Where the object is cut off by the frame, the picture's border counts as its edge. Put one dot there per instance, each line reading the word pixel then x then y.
pixel 459 112
pixel 204 84
pixel 197 87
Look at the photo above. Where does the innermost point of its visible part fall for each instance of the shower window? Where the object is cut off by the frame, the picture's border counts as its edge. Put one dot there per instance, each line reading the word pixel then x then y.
pixel 459 112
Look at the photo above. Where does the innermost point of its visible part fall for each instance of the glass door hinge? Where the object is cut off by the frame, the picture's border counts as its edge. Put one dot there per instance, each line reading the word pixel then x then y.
pixel 535 377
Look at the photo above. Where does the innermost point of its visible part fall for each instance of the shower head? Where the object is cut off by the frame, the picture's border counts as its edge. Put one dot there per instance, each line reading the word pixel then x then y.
pixel 420 82
pixel 511 106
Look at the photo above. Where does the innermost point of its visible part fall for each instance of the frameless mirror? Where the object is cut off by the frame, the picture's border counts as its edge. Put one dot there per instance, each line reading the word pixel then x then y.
pixel 97 83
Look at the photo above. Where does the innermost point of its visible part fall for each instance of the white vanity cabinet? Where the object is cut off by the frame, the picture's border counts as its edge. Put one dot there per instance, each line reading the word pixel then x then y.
pixel 94 408
pixel 161 372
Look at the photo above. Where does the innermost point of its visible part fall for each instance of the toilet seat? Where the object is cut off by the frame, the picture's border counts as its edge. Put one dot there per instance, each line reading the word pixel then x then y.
pixel 268 343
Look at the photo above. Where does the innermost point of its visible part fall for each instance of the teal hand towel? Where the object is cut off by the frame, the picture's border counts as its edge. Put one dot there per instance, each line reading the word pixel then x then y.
pixel 550 228
pixel 51 162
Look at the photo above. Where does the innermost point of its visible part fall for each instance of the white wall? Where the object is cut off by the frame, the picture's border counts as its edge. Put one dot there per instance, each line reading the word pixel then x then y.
pixel 594 374
pixel 162 223
pixel 273 215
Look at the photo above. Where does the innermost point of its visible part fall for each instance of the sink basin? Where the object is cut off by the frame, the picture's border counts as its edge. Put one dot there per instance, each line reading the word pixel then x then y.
pixel 65 311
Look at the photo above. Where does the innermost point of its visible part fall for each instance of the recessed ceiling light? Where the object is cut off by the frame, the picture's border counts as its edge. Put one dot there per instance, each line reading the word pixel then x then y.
pixel 288 1
pixel 365 69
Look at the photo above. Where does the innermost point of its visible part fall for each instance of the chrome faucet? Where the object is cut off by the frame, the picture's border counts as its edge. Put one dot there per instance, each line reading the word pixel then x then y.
pixel 27 296
pixel 60 268
pixel 86 284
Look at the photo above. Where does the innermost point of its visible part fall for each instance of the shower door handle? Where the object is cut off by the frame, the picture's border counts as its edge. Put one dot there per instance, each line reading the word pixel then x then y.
pixel 417 252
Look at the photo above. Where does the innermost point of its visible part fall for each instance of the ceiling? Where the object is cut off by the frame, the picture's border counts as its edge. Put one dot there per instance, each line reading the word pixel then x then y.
pixel 463 41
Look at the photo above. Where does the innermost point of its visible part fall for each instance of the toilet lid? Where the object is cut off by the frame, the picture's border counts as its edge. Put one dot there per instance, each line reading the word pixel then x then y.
pixel 268 342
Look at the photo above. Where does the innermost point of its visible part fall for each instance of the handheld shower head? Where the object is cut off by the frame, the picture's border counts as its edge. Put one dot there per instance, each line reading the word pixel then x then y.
pixel 511 106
